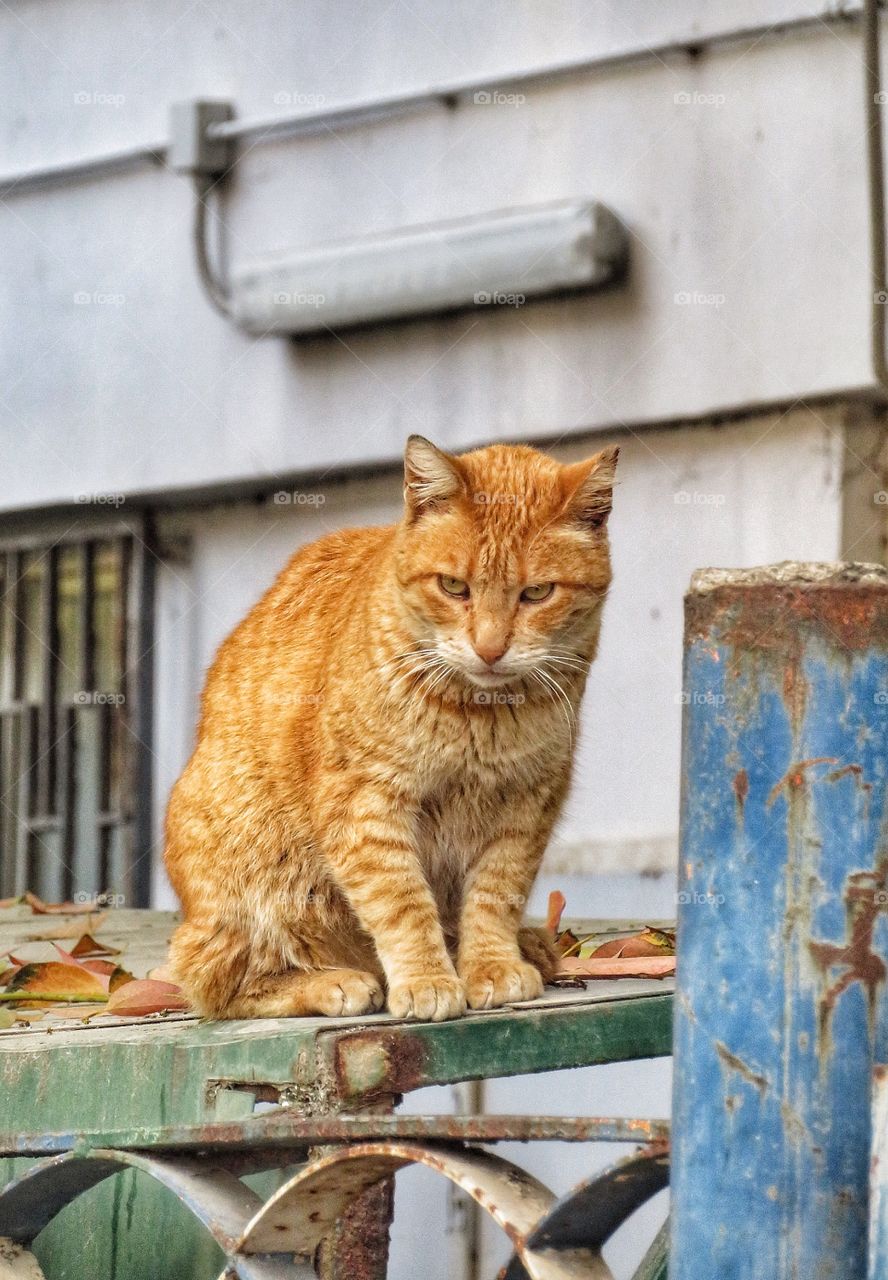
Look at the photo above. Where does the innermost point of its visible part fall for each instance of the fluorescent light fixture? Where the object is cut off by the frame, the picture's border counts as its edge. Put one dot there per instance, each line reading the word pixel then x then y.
pixel 493 260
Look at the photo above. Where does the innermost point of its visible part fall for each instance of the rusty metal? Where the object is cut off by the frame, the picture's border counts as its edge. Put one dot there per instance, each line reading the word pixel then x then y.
pixel 357 1245
pixel 782 1007
pixel 582 1222
pixel 302 1212
pixel 290 1131
pixel 220 1202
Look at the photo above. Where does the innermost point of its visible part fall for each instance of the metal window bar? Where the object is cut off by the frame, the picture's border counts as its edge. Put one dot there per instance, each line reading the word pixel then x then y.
pixel 75 628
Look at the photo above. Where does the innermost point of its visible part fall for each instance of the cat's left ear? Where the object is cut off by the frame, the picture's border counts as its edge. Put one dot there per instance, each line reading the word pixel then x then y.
pixel 588 487
pixel 431 476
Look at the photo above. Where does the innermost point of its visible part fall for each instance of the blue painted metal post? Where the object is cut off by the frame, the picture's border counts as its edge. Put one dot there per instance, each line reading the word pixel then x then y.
pixel 781 1009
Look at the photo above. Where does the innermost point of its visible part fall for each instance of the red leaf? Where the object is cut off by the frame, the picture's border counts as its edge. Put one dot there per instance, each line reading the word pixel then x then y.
pixel 86 946
pixel 557 903
pixel 146 995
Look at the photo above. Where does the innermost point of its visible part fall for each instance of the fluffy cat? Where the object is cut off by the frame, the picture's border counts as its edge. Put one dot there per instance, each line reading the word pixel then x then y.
pixel 384 747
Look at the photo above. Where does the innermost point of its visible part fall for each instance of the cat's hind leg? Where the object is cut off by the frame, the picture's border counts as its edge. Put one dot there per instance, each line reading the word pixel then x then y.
pixel 222 979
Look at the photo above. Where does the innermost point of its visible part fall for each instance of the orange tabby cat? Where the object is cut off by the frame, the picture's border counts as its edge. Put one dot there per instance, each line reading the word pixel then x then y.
pixel 385 744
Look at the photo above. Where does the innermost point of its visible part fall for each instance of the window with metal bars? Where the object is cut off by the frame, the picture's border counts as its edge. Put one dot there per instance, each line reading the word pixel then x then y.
pixel 74 707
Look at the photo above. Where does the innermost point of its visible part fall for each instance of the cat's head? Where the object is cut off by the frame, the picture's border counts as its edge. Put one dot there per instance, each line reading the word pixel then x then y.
pixel 503 560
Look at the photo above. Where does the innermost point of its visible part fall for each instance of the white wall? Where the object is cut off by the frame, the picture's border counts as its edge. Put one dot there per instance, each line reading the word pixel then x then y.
pixel 750 196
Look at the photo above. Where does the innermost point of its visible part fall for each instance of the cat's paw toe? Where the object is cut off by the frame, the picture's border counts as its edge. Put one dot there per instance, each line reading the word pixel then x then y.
pixel 345 993
pixel 429 999
pixel 502 982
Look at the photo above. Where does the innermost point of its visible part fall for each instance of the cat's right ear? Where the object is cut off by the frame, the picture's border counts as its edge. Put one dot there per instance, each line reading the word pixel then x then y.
pixel 431 476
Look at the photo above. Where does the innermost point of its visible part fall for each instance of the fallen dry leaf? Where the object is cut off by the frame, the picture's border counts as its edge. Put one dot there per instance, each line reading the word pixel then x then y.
pixel 73 929
pixel 146 995
pixel 650 942
pixel 53 982
pixel 557 903
pixel 618 967
pixel 87 947
pixel 7 1019
pixel 163 973
pixel 41 908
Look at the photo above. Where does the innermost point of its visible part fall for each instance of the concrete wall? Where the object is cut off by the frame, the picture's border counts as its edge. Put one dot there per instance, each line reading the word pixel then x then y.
pixel 738 168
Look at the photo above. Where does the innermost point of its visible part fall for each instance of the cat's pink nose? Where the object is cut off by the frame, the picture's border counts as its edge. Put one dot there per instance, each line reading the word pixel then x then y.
pixel 490 651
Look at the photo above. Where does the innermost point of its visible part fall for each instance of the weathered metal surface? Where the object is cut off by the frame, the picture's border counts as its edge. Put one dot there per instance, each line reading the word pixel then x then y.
pixel 217 1200
pixel 878 1223
pixel 781 1005
pixel 216 1197
pixel 655 1263
pixel 289 1131
pixel 357 1245
pixel 134 1083
pixel 581 1222
pixel 18 1263
pixel 382 1060
pixel 304 1211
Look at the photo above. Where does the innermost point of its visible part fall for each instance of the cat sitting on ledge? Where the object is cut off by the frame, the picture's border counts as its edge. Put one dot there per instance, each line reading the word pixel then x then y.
pixel 385 743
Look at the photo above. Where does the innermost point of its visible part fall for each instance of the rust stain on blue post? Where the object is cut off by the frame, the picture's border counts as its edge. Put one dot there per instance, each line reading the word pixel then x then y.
pixel 781 1009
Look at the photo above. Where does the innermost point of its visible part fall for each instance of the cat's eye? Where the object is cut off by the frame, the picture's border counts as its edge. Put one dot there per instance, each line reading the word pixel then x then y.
pixel 539 591
pixel 454 586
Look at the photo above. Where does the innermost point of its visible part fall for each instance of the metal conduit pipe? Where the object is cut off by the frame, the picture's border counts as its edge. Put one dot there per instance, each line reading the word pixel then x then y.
pixel 352 114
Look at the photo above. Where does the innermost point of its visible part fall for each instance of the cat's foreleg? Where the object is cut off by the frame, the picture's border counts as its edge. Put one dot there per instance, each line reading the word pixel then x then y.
pixel 373 857
pixel 492 945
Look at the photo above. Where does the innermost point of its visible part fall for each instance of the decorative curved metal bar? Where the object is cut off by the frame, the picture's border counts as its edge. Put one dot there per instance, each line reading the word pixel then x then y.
pixel 581 1222
pixel 303 1211
pixel 215 1196
pixel 553 1239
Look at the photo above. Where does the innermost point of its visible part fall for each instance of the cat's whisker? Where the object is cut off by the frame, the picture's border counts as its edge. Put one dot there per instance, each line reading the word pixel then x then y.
pixel 567 664
pixel 401 658
pixel 443 672
pixel 559 694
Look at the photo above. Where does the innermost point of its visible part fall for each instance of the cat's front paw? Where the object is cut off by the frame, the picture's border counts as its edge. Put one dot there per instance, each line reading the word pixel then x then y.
pixel 492 983
pixel 432 998
pixel 344 993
